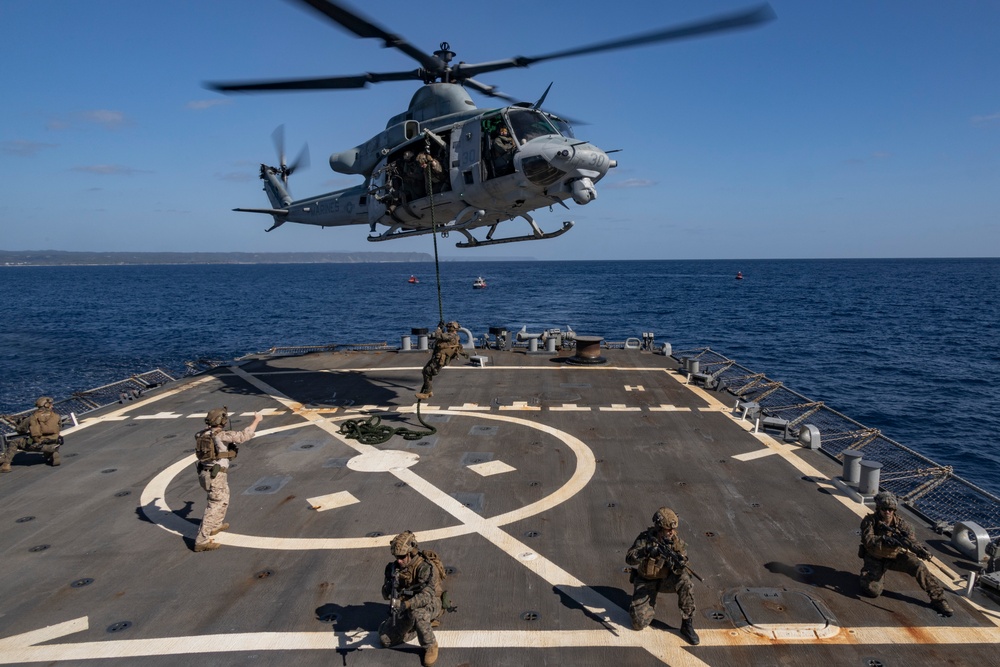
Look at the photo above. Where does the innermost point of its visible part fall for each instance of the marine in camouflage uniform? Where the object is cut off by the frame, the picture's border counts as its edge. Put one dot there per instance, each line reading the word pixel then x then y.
pixel 42 427
pixel 659 560
pixel 418 602
pixel 446 347
pixel 213 472
pixel 888 542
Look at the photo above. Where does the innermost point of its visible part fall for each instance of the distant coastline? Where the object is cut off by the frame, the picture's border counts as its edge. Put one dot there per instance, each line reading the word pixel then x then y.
pixel 72 258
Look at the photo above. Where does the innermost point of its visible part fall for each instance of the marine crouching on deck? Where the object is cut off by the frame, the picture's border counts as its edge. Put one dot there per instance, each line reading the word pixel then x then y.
pixel 659 564
pixel 38 432
pixel 413 586
pixel 889 543
pixel 214 447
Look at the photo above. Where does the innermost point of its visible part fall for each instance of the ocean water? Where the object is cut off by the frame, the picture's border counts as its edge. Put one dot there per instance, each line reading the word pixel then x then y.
pixel 906 346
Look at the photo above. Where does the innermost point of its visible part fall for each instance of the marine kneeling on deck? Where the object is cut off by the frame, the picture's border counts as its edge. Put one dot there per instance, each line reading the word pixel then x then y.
pixel 889 543
pixel 39 433
pixel 659 563
pixel 414 587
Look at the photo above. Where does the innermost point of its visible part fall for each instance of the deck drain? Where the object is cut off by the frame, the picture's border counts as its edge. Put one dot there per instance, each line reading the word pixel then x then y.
pixel 533 483
pixel 262 487
pixel 80 583
pixel 716 615
pixel 532 533
pixel 374 533
pixel 450 571
pixel 709 534
pixel 264 574
pixel 681 483
pixel 40 547
pixel 400 484
pixel 119 626
pixel 307 446
pixel 612 504
pixel 754 504
pixel 529 616
pixel 25 519
pixel 328 618
pixel 872 662
pixel 107 470
pixel 803 569
pixel 122 494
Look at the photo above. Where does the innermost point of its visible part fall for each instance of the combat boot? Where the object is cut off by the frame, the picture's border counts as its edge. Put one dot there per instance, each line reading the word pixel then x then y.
pixel 942 607
pixel 424 395
pixel 207 546
pixel 430 655
pixel 221 528
pixel 5 467
pixel 687 631
pixel 55 459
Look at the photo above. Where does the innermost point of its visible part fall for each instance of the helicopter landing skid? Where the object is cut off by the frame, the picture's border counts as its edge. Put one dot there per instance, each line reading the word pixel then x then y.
pixel 474 243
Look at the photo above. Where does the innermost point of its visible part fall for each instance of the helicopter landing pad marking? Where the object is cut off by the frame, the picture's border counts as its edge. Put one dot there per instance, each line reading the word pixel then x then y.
pixel 520 405
pixel 332 501
pixel 664 407
pixel 758 454
pixel 569 407
pixel 389 460
pixel 491 468
pixel 619 407
pixel 158 415
pixel 471 406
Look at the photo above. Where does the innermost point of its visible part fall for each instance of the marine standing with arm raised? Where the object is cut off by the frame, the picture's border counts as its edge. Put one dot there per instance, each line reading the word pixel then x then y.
pixel 659 564
pixel 214 448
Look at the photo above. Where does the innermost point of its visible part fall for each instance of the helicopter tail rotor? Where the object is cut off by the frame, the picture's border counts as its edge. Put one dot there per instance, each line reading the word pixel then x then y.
pixel 285 170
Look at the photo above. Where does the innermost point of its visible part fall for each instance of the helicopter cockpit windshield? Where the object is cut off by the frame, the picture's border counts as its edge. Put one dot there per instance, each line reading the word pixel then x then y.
pixel 529 124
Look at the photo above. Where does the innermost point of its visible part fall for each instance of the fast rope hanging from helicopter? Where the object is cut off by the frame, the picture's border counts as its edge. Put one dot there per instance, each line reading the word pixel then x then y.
pixel 371 431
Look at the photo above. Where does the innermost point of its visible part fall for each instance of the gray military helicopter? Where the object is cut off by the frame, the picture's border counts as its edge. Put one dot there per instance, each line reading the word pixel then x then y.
pixel 444 165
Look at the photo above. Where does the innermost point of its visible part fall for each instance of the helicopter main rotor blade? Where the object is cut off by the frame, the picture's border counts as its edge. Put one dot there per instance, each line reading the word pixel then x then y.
pixel 362 27
pixel 489 91
pixel 744 19
pixel 324 83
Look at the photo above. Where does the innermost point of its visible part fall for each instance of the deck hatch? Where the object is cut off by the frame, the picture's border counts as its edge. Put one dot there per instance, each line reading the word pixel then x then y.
pixel 778 613
pixel 266 485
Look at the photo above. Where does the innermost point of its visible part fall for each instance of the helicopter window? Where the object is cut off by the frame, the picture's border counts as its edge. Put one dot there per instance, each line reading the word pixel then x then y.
pixel 528 124
pixel 564 128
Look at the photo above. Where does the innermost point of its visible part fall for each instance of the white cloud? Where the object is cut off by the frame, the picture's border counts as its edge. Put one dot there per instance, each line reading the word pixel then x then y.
pixel 199 105
pixel 109 170
pixel 630 183
pixel 23 148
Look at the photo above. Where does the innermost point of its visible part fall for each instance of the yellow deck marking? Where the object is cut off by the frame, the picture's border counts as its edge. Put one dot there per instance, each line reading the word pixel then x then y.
pixel 751 456
pixel 158 415
pixel 664 407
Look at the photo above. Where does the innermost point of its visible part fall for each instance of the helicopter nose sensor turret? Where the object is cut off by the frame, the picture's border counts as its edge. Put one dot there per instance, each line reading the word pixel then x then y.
pixel 578 165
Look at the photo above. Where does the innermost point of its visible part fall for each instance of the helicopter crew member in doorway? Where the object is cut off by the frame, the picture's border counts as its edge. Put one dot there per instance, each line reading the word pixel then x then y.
pixel 659 563
pixel 889 543
pixel 214 447
pixel 430 164
pixel 503 152
pixel 446 347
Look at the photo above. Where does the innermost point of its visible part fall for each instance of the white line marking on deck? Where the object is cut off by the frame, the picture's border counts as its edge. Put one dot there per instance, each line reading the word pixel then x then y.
pixel 637 387
pixel 521 406
pixel 471 407
pixel 491 468
pixel 619 407
pixel 332 501
pixel 159 415
pixel 569 407
pixel 665 407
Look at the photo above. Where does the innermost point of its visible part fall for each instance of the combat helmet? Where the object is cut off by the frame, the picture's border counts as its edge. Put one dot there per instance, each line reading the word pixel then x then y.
pixel 43 402
pixel 404 544
pixel 885 501
pixel 217 417
pixel 452 326
pixel 665 518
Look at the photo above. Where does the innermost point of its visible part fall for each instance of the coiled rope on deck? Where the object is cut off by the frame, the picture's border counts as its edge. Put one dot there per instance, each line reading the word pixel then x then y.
pixel 371 431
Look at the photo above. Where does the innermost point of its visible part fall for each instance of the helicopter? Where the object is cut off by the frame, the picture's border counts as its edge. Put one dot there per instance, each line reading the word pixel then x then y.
pixel 445 165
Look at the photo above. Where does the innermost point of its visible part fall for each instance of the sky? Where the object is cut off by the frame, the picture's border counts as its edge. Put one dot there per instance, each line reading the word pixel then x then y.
pixel 840 129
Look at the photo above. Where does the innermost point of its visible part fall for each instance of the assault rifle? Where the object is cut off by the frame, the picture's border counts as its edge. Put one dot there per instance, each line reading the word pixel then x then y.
pixel 396 596
pixel 676 562
pixel 894 537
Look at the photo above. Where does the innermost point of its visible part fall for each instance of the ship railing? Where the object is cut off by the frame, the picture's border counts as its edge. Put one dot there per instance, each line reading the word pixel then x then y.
pixel 930 489
pixel 82 402
pixel 299 350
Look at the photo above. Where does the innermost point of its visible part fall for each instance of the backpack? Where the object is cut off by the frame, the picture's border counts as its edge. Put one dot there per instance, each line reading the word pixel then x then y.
pixel 435 560
pixel 204 445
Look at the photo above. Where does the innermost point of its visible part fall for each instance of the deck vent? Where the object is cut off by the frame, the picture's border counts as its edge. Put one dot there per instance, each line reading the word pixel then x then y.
pixel 778 613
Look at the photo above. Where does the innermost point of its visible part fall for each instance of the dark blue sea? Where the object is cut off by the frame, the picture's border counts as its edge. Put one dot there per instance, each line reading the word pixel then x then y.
pixel 906 346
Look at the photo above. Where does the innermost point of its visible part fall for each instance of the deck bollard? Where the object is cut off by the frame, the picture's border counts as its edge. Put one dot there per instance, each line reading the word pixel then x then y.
pixel 809 436
pixel 852 466
pixel 870 473
pixel 550 344
pixel 694 366
pixel 421 334
pixel 405 344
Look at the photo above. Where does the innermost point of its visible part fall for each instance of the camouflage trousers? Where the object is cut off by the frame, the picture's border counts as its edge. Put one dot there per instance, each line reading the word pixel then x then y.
pixel 218 503
pixel 432 368
pixel 409 624
pixel 874 569
pixel 24 444
pixel 643 606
